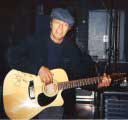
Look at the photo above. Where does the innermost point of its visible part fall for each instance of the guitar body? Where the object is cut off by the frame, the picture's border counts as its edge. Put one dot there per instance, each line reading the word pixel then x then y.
pixel 20 101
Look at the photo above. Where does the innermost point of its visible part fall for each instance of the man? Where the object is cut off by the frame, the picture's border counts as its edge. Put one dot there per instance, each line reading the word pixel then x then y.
pixel 40 54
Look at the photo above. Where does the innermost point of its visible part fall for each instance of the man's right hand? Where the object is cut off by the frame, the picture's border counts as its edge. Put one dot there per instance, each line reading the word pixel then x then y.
pixel 45 75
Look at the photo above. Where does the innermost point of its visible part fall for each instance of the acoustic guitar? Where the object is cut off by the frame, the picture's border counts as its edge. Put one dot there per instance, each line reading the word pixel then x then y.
pixel 21 91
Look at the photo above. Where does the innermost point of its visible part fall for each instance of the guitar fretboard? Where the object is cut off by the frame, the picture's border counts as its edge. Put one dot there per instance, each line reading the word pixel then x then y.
pixel 89 81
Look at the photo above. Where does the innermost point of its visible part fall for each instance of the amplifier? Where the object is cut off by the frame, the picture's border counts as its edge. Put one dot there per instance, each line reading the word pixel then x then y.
pixel 114 105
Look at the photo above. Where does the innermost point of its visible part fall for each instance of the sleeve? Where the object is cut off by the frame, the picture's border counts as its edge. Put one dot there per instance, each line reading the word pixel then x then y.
pixel 83 67
pixel 20 57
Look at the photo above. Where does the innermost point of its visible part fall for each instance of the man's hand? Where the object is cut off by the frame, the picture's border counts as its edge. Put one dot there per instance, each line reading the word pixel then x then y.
pixel 45 75
pixel 105 81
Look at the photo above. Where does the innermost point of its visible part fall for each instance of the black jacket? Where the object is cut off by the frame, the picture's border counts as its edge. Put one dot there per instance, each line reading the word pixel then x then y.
pixel 30 54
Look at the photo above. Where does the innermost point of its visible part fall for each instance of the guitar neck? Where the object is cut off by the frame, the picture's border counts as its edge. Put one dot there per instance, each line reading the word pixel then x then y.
pixel 89 81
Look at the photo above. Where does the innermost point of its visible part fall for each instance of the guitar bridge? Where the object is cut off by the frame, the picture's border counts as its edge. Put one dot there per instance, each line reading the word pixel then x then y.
pixel 31 90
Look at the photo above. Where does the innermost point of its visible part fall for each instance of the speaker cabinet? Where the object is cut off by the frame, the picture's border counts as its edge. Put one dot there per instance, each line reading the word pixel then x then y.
pixel 115 105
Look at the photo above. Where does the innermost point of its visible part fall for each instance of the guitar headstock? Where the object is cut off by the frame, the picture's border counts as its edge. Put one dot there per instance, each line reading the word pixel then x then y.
pixel 119 75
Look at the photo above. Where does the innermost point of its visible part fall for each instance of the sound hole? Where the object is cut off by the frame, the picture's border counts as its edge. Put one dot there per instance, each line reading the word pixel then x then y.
pixel 45 100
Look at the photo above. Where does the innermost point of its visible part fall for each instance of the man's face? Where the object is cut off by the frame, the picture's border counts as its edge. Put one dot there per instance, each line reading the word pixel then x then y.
pixel 59 29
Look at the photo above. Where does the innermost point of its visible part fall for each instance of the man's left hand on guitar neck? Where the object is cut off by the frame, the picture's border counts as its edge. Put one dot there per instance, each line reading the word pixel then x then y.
pixel 105 81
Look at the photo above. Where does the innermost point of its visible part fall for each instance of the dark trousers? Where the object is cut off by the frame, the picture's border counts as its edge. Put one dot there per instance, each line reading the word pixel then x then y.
pixel 51 113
